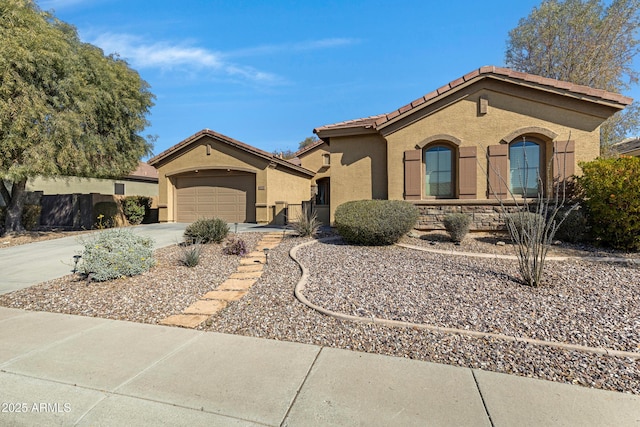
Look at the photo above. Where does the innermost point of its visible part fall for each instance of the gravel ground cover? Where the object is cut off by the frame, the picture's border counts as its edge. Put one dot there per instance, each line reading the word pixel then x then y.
pixel 585 303
pixel 166 289
pixel 271 311
pixel 500 244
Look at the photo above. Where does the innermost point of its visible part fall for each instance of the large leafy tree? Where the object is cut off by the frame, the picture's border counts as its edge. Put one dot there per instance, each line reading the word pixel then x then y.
pixel 584 42
pixel 65 108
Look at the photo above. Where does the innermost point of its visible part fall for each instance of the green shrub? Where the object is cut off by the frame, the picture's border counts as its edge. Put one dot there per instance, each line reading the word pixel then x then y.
pixel 611 191
pixel 235 247
pixel 116 253
pixel 30 216
pixel 135 208
pixel 457 225
pixel 207 230
pixel 375 222
pixel 306 223
pixel 190 255
pixel 104 214
pixel 574 228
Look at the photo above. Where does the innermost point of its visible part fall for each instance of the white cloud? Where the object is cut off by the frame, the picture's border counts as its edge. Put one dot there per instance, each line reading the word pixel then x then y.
pixel 293 47
pixel 167 56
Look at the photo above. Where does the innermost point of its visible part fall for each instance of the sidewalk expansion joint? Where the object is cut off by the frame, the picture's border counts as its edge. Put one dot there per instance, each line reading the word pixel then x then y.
pixel 484 404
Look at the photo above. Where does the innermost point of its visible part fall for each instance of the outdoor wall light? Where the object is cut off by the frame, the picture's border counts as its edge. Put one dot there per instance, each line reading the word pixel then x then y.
pixel 76 258
pixel 266 256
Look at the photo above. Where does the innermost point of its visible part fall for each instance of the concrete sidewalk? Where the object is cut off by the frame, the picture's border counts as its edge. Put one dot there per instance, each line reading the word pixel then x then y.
pixel 60 369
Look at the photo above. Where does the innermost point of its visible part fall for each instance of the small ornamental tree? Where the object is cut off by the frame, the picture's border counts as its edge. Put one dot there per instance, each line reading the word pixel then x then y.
pixel 611 191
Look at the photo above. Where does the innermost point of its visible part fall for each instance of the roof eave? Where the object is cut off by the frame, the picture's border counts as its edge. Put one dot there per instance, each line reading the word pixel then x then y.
pixel 350 131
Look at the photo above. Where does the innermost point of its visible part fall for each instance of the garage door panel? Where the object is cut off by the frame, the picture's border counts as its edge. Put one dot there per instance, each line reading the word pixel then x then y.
pixel 231 198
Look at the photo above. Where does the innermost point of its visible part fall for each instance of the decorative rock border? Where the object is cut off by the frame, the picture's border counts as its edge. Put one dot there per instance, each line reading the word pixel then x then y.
pixel 232 289
pixel 299 294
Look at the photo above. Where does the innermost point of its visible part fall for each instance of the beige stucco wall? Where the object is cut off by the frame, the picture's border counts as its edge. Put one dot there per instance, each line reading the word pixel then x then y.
pixel 506 114
pixel 75 185
pixel 314 161
pixel 358 169
pixel 273 182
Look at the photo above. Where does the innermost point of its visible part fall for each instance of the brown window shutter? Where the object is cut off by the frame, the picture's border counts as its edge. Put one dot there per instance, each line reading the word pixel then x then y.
pixel 468 172
pixel 413 175
pixel 564 161
pixel 498 171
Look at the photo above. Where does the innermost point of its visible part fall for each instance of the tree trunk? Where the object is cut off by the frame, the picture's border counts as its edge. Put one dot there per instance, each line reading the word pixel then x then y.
pixel 13 215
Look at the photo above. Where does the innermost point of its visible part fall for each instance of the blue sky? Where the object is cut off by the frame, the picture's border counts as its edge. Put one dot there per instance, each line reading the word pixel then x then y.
pixel 267 72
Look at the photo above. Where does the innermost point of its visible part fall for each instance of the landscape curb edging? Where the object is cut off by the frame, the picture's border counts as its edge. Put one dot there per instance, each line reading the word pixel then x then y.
pixel 498 256
pixel 300 287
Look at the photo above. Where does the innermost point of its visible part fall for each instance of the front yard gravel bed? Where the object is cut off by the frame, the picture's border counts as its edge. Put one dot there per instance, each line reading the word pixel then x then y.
pixel 340 273
pixel 166 289
pixel 584 303
pixel 463 292
pixel 500 243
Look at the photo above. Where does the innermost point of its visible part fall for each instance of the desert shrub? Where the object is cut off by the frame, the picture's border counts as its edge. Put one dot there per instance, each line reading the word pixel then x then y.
pixel 116 253
pixel 30 216
pixel 207 230
pixel 574 228
pixel 375 222
pixel 306 223
pixel 190 254
pixel 524 225
pixel 104 214
pixel 135 208
pixel 611 191
pixel 457 225
pixel 235 247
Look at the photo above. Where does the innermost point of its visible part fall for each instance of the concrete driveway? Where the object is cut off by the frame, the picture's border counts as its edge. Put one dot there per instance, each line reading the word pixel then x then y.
pixel 26 265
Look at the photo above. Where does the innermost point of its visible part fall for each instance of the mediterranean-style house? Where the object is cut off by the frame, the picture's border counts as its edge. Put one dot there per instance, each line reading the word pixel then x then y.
pixel 481 137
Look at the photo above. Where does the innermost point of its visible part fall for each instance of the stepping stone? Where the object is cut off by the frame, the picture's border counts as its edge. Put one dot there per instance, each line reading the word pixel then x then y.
pixel 205 307
pixel 253 260
pixel 255 254
pixel 225 295
pixel 249 268
pixel 184 320
pixel 236 284
pixel 246 275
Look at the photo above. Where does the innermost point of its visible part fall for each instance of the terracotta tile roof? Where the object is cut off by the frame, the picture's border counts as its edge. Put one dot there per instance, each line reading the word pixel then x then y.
pixel 308 148
pixel 366 122
pixel 480 73
pixel 233 142
pixel 144 171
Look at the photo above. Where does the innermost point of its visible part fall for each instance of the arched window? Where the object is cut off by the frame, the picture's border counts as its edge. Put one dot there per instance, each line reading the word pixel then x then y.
pixel 524 167
pixel 438 162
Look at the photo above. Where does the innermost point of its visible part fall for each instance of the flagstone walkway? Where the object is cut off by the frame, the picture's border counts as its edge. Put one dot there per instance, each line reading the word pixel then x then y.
pixel 232 289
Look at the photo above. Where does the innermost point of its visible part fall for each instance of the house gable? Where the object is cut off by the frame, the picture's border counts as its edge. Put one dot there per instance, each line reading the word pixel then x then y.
pixel 209 174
